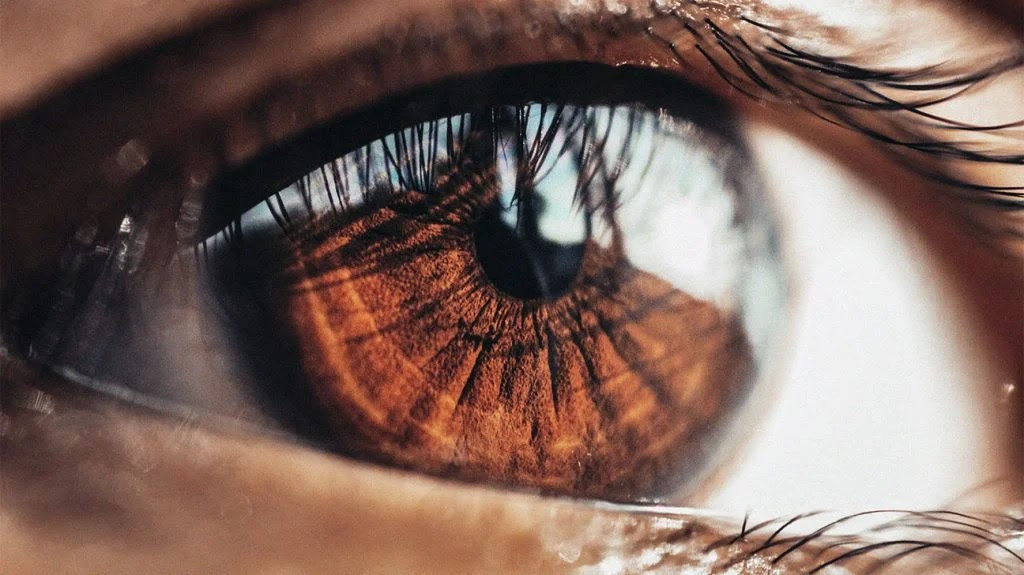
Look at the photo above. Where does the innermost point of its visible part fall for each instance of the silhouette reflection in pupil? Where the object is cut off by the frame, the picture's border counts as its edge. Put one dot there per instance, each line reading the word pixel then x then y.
pixel 518 259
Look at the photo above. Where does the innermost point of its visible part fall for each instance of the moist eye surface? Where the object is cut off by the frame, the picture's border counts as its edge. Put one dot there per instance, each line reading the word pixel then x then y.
pixel 532 284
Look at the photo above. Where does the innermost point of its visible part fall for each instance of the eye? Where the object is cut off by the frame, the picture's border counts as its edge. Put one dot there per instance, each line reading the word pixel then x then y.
pixel 511 280
pixel 521 248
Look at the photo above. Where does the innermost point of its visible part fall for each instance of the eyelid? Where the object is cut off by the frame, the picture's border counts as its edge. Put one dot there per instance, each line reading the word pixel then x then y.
pixel 257 145
pixel 155 491
pixel 577 82
pixel 225 94
pixel 47 51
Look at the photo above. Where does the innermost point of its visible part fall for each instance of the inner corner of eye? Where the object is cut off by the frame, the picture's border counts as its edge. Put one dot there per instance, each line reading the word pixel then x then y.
pixel 516 278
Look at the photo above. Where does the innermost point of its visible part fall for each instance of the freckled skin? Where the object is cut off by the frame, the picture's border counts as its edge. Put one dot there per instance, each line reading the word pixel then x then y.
pixel 614 389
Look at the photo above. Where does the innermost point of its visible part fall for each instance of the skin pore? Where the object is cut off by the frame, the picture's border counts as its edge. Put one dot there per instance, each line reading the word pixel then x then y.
pixel 90 485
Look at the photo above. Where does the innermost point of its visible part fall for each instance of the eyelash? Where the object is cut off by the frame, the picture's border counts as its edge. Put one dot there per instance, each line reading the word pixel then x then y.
pixel 789 74
pixel 399 159
pixel 981 541
pixel 227 141
pixel 281 165
pixel 833 88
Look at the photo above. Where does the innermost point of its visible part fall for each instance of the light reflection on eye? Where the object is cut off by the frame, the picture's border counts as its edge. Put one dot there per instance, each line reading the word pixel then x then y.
pixel 222 358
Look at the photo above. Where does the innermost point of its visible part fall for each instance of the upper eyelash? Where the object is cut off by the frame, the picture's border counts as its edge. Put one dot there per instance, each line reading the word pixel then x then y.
pixel 702 22
pixel 833 88
pixel 240 188
pixel 768 66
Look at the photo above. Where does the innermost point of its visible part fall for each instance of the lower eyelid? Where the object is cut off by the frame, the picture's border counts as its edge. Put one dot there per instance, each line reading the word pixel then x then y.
pixel 157 492
pixel 129 493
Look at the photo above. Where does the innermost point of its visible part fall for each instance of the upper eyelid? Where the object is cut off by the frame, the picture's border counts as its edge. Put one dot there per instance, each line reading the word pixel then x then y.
pixel 706 24
pixel 157 24
pixel 253 115
pixel 52 50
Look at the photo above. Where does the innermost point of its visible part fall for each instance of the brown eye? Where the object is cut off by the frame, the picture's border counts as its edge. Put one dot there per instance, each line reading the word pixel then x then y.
pixel 441 337
pixel 559 278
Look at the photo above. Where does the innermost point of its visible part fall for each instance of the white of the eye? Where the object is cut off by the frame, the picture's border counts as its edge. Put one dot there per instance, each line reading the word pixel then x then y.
pixel 876 405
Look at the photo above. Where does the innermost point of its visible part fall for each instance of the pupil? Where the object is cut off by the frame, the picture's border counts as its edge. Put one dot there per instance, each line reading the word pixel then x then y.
pixel 518 259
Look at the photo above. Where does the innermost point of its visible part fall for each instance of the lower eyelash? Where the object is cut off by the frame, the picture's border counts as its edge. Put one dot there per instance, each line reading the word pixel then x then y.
pixel 921 541
pixel 50 428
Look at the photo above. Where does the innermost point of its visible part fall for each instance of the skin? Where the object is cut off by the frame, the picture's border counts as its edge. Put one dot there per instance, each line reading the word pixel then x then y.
pixel 92 486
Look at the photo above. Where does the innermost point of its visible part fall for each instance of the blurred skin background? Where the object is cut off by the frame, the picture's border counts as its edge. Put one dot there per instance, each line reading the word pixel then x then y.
pixel 896 383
